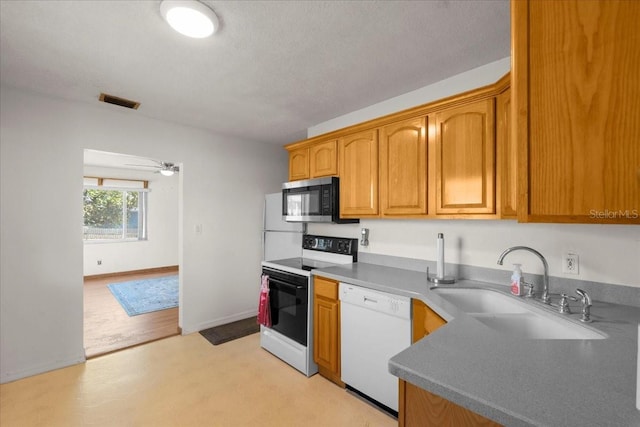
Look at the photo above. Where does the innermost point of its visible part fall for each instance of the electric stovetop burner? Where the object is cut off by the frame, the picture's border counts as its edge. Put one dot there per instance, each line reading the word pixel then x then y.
pixel 306 264
pixel 319 252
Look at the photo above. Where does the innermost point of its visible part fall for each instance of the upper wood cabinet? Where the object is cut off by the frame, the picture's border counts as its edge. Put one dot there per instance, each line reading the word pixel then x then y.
pixel 358 160
pixel 323 159
pixel 299 164
pixel 403 168
pixel 437 160
pixel 464 160
pixel 314 161
pixel 576 95
pixel 507 159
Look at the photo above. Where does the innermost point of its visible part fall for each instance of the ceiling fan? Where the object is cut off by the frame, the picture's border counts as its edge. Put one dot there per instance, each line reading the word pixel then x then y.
pixel 164 168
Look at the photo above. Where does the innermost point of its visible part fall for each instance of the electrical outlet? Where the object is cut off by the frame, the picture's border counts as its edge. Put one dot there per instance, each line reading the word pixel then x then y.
pixel 570 263
pixel 99 262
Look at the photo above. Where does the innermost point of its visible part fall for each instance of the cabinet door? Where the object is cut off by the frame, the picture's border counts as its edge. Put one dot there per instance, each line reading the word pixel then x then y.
pixel 326 328
pixel 576 93
pixel 403 168
pixel 507 160
pixel 326 339
pixel 323 159
pixel 299 164
pixel 424 320
pixel 419 407
pixel 465 159
pixel 358 160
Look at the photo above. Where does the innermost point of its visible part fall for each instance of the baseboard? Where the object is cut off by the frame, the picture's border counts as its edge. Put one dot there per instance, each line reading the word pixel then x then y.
pixel 217 322
pixel 168 269
pixel 39 369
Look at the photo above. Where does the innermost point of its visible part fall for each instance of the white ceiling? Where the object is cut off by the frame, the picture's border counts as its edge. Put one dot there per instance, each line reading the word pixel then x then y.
pixel 273 69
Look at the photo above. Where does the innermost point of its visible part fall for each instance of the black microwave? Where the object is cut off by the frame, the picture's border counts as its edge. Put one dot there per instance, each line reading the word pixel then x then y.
pixel 313 200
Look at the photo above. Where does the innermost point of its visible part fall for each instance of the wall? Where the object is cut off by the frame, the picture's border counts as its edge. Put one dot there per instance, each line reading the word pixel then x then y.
pixel 481 76
pixel 222 185
pixel 161 247
pixel 607 253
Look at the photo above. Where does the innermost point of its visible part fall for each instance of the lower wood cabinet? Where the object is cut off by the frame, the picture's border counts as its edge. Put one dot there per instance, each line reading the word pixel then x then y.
pixel 424 320
pixel 326 328
pixel 419 407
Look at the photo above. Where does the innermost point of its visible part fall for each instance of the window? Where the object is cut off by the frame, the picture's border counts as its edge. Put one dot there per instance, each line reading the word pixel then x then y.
pixel 114 213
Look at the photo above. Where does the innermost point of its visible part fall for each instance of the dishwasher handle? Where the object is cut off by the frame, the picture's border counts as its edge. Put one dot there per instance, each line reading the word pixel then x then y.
pixel 384 302
pixel 369 300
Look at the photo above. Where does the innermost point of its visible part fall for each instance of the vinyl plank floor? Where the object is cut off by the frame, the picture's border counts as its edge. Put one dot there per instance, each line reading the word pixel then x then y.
pixel 184 381
pixel 108 328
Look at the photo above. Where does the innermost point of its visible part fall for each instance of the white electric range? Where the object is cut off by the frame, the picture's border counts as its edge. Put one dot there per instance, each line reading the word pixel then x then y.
pixel 291 298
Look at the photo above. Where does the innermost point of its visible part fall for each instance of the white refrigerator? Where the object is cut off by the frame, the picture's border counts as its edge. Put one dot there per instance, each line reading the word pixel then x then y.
pixel 280 239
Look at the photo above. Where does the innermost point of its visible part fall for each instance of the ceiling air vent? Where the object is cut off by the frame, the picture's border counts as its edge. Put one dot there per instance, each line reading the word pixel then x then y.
pixel 110 99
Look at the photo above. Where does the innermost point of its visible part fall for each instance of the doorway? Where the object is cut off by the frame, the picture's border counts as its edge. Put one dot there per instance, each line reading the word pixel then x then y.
pixel 135 242
pixel 108 328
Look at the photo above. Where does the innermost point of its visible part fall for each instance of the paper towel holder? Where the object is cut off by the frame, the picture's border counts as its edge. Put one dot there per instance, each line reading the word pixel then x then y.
pixel 440 278
pixel 437 281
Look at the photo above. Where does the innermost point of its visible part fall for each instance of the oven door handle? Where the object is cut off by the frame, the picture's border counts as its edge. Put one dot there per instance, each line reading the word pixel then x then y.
pixel 285 284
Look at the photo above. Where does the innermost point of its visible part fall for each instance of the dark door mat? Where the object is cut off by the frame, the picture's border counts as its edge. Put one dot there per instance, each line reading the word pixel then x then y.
pixel 231 331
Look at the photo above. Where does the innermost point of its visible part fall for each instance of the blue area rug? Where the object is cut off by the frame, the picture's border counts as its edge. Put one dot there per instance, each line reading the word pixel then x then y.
pixel 145 296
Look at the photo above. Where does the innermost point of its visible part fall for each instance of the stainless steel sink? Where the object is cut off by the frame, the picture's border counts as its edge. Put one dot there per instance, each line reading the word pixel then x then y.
pixel 513 316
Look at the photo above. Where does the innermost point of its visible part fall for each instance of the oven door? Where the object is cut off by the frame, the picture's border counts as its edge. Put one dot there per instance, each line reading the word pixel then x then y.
pixel 289 304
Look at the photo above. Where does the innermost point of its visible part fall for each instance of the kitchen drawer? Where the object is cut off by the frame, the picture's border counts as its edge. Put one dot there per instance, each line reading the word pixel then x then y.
pixel 325 288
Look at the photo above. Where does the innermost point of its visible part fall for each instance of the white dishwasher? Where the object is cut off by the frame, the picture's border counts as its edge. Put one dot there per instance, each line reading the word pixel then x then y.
pixel 374 327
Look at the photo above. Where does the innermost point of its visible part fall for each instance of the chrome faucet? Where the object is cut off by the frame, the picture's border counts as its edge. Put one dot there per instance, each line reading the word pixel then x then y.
pixel 586 306
pixel 545 289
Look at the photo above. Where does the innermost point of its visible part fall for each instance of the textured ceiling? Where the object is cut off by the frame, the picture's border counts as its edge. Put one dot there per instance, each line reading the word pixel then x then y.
pixel 273 69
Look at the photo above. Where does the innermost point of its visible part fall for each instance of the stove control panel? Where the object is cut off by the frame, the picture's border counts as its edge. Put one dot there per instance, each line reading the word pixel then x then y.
pixel 336 245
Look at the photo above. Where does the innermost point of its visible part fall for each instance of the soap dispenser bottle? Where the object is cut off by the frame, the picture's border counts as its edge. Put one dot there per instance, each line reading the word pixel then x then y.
pixel 516 280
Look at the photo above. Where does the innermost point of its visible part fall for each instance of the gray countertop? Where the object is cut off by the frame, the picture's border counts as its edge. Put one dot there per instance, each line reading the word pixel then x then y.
pixel 515 381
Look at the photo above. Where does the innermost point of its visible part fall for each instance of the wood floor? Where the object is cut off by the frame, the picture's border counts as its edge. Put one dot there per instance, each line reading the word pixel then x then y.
pixel 107 327
pixel 183 381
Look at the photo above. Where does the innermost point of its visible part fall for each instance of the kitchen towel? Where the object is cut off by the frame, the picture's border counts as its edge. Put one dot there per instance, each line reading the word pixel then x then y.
pixel 264 312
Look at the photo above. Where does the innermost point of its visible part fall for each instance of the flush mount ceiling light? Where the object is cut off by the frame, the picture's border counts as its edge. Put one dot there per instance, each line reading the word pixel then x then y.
pixel 189 17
